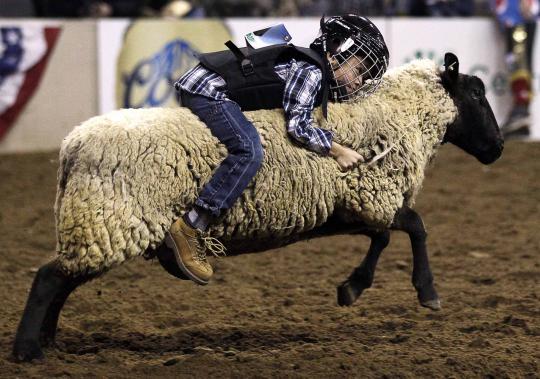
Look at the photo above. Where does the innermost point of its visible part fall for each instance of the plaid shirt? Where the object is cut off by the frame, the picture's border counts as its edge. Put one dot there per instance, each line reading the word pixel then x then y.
pixel 302 83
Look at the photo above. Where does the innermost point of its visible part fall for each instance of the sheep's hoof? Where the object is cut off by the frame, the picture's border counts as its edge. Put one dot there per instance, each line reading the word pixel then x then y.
pixel 347 293
pixel 434 305
pixel 428 297
pixel 27 351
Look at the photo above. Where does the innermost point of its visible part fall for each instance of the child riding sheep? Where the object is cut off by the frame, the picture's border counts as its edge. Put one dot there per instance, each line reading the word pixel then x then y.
pixel 345 62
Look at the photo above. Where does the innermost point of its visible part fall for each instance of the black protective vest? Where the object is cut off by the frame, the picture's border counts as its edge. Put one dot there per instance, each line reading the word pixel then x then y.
pixel 250 76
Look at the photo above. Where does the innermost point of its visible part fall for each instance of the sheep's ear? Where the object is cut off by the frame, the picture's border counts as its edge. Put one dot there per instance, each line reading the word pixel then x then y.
pixel 451 67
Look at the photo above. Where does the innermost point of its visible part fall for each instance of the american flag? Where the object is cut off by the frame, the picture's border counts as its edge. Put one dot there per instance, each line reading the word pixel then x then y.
pixel 24 51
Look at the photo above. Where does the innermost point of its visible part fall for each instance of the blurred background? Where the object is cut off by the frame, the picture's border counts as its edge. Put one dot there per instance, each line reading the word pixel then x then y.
pixel 62 62
pixel 274 314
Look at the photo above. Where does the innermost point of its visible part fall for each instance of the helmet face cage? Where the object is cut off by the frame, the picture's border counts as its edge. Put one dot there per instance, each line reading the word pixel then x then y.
pixel 357 55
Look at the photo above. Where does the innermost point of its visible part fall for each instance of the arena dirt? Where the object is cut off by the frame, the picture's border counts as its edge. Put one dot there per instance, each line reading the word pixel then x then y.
pixel 274 314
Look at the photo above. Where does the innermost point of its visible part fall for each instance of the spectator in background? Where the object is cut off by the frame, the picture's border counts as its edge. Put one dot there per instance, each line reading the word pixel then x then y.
pixel 59 8
pixel 88 8
pixel 16 8
pixel 117 8
pixel 332 7
pixel 518 20
pixel 238 8
pixel 173 9
pixel 442 8
pixel 179 9
pixel 364 7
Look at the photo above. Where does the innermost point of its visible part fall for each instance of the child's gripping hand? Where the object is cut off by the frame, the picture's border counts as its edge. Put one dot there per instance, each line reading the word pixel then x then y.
pixel 345 157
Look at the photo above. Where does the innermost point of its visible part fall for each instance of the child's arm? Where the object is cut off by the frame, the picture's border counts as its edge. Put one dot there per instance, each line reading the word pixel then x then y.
pixel 301 88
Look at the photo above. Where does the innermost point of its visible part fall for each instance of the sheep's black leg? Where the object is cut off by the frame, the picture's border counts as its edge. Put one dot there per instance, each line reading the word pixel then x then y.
pixel 48 283
pixel 50 322
pixel 410 222
pixel 362 277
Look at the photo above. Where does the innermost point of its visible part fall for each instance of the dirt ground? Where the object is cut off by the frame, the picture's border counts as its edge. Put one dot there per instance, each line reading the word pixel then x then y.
pixel 274 314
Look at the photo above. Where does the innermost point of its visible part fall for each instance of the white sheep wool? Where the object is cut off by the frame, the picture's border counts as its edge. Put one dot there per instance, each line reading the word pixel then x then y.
pixel 124 177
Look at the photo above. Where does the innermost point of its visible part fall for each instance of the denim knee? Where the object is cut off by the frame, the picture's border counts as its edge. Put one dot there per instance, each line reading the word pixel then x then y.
pixel 258 156
pixel 254 152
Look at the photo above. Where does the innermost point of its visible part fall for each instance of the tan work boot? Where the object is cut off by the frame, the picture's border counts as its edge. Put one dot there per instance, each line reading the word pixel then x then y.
pixel 189 251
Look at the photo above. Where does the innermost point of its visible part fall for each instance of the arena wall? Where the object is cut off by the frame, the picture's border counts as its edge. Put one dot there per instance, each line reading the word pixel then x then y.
pixel 83 74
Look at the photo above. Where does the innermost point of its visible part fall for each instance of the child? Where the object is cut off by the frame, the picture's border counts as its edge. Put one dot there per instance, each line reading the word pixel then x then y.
pixel 346 62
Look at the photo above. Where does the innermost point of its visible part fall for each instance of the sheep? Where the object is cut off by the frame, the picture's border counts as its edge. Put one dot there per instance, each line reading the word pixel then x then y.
pixel 125 176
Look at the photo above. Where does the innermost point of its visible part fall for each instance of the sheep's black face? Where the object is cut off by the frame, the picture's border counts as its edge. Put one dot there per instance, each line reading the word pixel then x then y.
pixel 475 130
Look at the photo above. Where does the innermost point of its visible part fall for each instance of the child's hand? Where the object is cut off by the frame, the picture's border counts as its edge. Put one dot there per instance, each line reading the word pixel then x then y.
pixel 345 157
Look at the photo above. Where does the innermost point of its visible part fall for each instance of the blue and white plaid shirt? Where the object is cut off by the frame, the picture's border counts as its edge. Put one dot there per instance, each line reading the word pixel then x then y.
pixel 302 83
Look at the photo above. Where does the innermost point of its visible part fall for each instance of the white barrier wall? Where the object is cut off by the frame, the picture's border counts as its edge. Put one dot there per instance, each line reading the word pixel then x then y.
pixel 72 90
pixel 479 45
pixel 66 95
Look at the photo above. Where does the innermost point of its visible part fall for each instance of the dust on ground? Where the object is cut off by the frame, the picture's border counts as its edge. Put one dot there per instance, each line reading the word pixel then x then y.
pixel 274 314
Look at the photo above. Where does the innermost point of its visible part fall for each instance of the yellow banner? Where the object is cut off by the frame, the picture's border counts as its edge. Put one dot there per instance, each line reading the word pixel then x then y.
pixel 155 53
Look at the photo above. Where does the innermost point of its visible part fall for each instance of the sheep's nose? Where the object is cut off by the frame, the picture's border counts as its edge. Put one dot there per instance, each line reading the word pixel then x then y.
pixel 492 154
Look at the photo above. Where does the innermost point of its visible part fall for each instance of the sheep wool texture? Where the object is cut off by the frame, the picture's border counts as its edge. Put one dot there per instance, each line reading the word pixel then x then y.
pixel 124 177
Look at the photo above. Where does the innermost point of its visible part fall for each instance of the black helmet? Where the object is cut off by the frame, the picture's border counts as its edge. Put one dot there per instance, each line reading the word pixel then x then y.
pixel 357 55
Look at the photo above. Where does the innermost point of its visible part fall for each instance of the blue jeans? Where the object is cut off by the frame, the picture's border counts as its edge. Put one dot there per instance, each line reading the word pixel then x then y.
pixel 228 124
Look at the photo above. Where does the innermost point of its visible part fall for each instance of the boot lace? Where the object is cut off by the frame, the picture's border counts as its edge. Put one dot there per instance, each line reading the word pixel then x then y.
pixel 204 243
